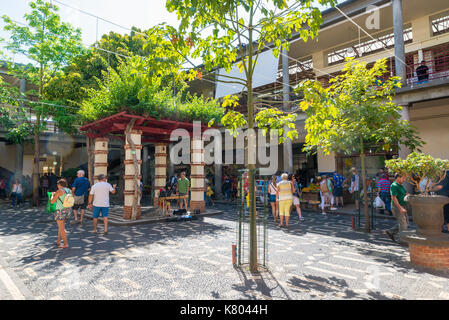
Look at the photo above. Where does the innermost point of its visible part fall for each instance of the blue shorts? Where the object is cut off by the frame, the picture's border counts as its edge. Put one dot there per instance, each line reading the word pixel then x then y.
pixel 272 198
pixel 96 212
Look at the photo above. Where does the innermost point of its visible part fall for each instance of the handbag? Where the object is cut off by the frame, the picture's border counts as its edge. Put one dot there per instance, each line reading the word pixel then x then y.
pixel 51 207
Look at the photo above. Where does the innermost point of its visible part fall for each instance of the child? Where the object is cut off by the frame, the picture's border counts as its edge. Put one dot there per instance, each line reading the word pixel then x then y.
pixel 209 194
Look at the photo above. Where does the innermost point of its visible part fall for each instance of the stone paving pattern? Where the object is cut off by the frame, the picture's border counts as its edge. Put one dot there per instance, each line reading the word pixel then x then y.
pixel 320 258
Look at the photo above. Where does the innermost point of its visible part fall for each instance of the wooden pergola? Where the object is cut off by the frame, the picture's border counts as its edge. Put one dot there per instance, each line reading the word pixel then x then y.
pixel 135 130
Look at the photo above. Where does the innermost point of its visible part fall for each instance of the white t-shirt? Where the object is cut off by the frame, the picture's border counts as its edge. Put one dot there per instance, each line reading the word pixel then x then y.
pixel 355 183
pixel 17 188
pixel 100 191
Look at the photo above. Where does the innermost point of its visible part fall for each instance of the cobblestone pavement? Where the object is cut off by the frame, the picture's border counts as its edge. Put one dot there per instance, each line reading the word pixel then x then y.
pixel 320 258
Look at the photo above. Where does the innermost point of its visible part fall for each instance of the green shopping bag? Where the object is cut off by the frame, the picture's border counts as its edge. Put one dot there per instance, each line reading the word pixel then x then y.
pixel 51 207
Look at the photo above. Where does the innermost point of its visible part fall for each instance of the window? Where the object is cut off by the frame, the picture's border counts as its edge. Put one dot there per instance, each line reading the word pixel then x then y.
pixel 440 25
pixel 367 47
pixel 298 67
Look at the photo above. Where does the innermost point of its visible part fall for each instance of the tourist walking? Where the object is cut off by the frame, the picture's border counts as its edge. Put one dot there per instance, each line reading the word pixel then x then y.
pixel 272 190
pixel 99 201
pixel 16 194
pixel 398 207
pixel 284 194
pixel 173 181
pixel 182 188
pixel 354 189
pixel 296 197
pixel 442 189
pixel 383 187
pixel 339 182
pixel 80 190
pixel 209 192
pixel 52 187
pixel 326 194
pixel 44 185
pixel 227 184
pixel 3 187
pixel 62 213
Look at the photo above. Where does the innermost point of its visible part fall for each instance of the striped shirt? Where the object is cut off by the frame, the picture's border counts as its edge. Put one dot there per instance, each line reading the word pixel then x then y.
pixel 285 190
pixel 384 185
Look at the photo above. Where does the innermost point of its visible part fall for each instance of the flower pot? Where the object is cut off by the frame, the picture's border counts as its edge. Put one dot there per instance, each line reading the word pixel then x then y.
pixel 427 212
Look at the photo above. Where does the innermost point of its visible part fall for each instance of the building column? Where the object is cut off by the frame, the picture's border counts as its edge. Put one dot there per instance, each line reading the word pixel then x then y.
pixel 218 172
pixel 160 170
pixel 405 115
pixel 399 47
pixel 197 187
pixel 100 157
pixel 287 145
pixel 130 173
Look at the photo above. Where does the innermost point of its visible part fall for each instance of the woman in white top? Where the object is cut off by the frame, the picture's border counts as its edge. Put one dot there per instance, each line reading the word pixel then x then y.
pixel 16 193
pixel 272 189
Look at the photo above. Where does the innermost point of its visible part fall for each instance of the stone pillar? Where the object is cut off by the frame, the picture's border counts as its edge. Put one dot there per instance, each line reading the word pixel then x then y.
pixel 287 145
pixel 218 177
pixel 100 157
pixel 130 172
pixel 405 115
pixel 171 166
pixel 197 176
pixel 160 169
pixel 399 47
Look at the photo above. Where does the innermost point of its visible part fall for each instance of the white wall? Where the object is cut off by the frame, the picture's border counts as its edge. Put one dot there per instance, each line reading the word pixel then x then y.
pixel 432 120
pixel 326 163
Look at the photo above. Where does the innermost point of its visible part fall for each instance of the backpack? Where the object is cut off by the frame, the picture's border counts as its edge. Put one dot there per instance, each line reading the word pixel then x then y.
pixel 323 187
pixel 69 200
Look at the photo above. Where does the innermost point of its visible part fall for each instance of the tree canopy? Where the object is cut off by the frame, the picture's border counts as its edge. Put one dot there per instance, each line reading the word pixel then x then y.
pixel 128 89
pixel 356 112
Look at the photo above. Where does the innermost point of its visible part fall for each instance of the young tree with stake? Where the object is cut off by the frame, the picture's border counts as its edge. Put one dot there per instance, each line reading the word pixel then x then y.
pixel 241 29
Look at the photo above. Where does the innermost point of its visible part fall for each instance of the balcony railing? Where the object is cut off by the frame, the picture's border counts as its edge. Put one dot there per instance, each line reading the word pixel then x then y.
pixel 438 68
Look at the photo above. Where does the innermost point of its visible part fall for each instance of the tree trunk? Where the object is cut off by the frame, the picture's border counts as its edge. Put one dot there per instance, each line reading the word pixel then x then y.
pixel 253 265
pixel 36 165
pixel 137 192
pixel 365 193
pixel 90 160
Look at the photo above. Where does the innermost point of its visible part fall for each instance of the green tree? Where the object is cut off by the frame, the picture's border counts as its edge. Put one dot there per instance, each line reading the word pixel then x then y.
pixel 418 167
pixel 243 23
pixel 128 89
pixel 69 86
pixel 354 112
pixel 50 44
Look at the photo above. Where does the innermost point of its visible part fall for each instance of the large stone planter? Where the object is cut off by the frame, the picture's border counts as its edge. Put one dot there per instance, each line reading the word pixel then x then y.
pixel 427 213
pixel 428 246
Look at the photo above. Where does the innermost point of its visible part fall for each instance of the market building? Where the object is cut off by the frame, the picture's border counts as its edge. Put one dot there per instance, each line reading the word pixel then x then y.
pixel 424 31
pixel 425 35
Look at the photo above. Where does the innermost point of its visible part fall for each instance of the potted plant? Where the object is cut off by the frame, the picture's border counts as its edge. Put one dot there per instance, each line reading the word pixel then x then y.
pixel 424 172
